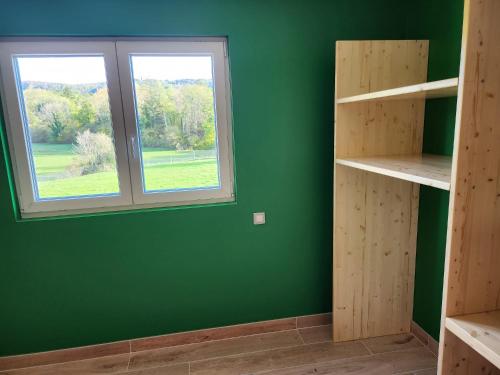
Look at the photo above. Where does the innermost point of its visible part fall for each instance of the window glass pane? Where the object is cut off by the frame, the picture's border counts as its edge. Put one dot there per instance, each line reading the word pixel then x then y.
pixel 177 127
pixel 66 110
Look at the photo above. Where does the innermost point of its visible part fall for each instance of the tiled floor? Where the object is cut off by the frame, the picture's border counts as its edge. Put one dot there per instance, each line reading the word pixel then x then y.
pixel 295 352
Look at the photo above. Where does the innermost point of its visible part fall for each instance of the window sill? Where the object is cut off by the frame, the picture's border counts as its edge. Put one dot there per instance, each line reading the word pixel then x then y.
pixel 106 211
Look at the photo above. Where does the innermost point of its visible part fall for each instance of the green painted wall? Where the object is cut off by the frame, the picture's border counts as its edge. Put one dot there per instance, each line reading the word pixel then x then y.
pixel 101 278
pixel 441 23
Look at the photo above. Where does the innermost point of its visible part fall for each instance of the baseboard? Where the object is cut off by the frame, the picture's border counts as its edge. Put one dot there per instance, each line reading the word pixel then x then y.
pixel 425 338
pixel 163 341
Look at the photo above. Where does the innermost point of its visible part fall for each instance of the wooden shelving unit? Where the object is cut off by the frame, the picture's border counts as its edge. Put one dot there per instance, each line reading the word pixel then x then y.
pixel 428 90
pixel 378 169
pixel 430 170
pixel 470 329
pixel 479 331
pixel 376 189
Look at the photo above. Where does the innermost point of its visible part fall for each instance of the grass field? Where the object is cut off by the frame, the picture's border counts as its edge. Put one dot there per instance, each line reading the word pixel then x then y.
pixel 163 170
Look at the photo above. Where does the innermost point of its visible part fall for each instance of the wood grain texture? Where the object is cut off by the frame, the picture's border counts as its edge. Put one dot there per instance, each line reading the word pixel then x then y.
pixel 278 358
pixel 480 331
pixel 461 359
pixel 314 335
pixel 314 320
pixel 180 369
pixel 375 216
pixel 163 341
pixel 382 364
pixel 430 170
pixel 472 263
pixel 261 354
pixel 428 90
pixel 220 348
pixel 65 355
pixel 113 364
pixel 211 334
pixel 391 343
pixel 375 244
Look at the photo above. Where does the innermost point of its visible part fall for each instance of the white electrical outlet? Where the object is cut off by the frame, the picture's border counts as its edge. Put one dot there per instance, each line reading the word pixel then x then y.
pixel 259 218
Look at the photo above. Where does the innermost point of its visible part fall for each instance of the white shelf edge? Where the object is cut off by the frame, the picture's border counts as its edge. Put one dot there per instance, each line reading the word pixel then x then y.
pixel 358 163
pixel 458 326
pixel 404 91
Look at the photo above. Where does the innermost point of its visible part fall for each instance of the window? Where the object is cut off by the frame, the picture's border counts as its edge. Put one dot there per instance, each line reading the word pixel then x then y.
pixel 96 125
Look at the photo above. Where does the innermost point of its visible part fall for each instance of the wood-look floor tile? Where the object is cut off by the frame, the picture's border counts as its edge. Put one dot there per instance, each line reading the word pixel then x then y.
pixel 181 369
pixel 105 365
pixel 432 371
pixel 316 334
pixel 65 355
pixel 212 334
pixel 278 358
pixel 314 320
pixel 433 346
pixel 379 364
pixel 213 349
pixel 391 343
pixel 419 333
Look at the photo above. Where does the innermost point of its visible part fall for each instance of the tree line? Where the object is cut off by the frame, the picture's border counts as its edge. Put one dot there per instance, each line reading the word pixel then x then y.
pixel 176 115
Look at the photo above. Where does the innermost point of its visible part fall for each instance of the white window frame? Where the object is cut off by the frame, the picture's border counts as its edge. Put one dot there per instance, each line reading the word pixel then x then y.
pixel 216 50
pixel 116 54
pixel 17 127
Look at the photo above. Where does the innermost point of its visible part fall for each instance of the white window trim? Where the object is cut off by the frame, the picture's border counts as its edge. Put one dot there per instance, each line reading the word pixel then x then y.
pixel 115 53
pixel 217 51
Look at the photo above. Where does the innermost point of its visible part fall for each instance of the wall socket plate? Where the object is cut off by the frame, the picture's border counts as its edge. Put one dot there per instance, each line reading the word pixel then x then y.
pixel 259 218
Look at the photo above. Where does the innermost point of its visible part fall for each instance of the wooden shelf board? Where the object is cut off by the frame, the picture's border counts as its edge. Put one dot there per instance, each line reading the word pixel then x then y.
pixel 428 90
pixel 431 170
pixel 479 331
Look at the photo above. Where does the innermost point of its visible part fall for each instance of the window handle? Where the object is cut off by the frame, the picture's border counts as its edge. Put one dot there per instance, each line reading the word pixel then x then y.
pixel 133 145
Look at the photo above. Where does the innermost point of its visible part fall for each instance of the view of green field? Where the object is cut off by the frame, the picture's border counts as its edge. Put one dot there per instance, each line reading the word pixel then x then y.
pixel 163 169
pixel 71 130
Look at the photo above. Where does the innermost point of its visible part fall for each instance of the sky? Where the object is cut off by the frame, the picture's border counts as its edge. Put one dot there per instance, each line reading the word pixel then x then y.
pixel 90 69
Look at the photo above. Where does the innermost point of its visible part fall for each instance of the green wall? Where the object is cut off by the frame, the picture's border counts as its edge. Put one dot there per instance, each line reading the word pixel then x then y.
pixel 86 280
pixel 441 23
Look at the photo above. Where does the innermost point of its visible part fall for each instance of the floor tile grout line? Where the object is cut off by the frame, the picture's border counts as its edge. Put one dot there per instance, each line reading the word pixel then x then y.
pixel 223 339
pixel 346 359
pixel 423 343
pixel 6 371
pixel 426 345
pixel 414 371
pixel 130 341
pixel 130 351
pixel 129 354
pixel 222 328
pixel 238 355
pixel 301 338
pixel 275 349
pixel 218 357
pixel 430 350
pixel 366 347
pixel 398 350
pixel 319 325
pixel 243 354
pixel 216 340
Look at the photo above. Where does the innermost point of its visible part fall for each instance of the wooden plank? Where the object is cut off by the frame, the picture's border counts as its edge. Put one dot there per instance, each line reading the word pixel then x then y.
pixel 431 170
pixel 480 331
pixel 472 280
pixel 375 216
pixel 463 360
pixel 429 90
